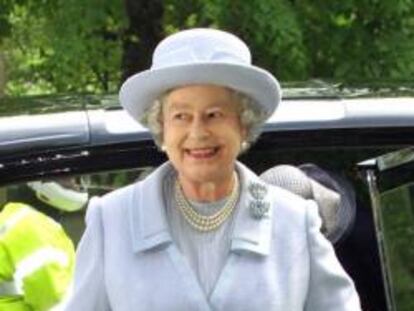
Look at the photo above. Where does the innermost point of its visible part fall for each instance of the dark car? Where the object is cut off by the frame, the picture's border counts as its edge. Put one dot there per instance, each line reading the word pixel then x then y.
pixel 362 135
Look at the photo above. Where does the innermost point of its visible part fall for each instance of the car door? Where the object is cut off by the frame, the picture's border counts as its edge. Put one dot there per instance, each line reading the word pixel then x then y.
pixel 390 179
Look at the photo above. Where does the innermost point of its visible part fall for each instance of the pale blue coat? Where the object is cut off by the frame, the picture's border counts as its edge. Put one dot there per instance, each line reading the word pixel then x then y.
pixel 126 260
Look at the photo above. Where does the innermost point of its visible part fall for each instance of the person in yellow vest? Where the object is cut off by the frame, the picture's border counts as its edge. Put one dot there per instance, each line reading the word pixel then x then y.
pixel 36 255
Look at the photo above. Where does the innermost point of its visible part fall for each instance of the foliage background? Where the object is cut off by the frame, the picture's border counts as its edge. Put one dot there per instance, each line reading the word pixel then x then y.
pixel 56 46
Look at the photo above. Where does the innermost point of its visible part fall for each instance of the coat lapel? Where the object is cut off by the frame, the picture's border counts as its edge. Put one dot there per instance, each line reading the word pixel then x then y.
pixel 251 236
pixel 148 223
pixel 150 230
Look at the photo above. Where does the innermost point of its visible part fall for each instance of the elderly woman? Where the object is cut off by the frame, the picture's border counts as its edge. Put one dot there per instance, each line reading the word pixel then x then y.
pixel 203 232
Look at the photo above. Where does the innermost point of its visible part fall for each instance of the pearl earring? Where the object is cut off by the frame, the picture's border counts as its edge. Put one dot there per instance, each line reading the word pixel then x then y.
pixel 244 145
pixel 163 148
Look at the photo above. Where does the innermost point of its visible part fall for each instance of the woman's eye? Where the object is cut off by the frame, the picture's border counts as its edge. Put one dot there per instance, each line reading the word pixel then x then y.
pixel 180 116
pixel 215 114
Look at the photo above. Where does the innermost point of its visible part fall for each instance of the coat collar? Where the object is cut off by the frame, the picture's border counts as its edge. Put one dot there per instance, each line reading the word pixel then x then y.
pixel 150 229
pixel 149 226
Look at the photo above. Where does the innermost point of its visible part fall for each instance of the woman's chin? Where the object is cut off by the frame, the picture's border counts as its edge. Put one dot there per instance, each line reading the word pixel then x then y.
pixel 204 173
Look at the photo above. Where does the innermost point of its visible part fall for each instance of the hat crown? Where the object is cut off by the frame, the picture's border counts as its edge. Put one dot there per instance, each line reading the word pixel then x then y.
pixel 200 46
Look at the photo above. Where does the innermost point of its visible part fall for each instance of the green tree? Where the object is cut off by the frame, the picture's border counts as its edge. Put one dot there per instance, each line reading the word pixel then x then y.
pixel 86 52
pixel 270 28
pixel 5 27
pixel 272 31
pixel 145 30
pixel 91 46
pixel 65 46
pixel 3 77
pixel 359 40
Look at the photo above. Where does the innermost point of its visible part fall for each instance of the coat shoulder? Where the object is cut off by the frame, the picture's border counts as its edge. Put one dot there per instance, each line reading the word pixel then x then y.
pixel 113 204
pixel 290 212
pixel 285 201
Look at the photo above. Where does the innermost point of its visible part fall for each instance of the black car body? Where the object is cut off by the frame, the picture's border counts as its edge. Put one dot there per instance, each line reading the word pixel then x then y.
pixel 365 136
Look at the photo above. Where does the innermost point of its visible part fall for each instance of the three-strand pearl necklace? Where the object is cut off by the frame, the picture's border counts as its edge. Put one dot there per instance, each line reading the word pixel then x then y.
pixel 202 222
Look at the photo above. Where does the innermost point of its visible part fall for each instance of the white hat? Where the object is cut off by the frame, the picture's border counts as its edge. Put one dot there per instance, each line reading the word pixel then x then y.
pixel 56 195
pixel 200 56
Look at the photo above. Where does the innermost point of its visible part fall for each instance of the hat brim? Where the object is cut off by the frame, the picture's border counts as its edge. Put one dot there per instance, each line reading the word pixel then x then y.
pixel 141 90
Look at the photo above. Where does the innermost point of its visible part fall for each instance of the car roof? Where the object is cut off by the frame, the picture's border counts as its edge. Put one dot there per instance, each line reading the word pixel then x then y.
pixel 103 126
pixel 343 113
pixel 70 121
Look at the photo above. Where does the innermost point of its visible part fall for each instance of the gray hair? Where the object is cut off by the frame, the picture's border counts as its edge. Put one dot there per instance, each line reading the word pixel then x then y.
pixel 251 117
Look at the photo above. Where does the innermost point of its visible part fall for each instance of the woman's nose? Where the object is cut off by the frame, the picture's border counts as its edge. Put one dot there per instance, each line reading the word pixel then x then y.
pixel 198 129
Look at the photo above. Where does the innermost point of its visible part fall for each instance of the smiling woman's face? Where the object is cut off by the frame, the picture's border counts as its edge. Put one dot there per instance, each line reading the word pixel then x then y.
pixel 202 132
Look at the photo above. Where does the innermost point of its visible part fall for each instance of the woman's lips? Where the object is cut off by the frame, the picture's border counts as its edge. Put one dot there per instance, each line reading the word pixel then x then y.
pixel 202 153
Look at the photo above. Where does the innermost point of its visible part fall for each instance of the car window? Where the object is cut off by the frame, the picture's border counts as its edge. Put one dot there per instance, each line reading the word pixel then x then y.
pixel 94 184
pixel 397 219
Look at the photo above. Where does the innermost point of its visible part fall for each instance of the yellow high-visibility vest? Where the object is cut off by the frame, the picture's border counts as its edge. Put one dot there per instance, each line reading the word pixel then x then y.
pixel 36 260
